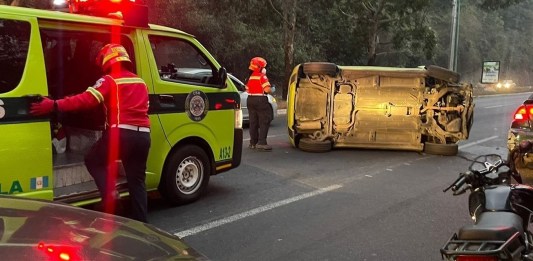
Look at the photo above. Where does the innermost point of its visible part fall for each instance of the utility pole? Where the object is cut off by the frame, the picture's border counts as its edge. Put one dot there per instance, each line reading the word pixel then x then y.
pixel 455 35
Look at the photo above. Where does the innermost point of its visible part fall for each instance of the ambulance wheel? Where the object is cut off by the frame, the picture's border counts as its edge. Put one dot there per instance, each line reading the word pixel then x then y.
pixel 186 175
pixel 330 69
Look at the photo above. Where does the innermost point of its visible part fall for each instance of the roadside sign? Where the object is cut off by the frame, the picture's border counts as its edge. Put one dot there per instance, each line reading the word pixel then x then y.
pixel 490 72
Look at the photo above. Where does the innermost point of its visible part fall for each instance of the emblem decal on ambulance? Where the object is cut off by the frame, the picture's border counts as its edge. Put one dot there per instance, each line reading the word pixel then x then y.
pixel 196 105
pixel 39 182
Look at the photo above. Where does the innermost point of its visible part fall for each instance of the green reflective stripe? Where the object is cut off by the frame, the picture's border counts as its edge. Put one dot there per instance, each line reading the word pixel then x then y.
pixel 129 80
pixel 96 94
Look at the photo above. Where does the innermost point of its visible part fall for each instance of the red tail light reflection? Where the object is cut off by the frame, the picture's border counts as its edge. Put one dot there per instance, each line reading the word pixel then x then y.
pixel 59 252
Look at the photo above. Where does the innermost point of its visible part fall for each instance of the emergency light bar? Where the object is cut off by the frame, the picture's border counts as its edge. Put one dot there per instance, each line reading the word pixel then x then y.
pixel 133 12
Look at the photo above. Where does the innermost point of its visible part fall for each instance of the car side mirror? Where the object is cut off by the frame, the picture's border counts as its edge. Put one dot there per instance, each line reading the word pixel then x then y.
pixel 222 77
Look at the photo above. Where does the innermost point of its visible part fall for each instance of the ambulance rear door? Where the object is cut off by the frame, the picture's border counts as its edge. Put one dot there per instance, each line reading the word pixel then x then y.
pixel 25 143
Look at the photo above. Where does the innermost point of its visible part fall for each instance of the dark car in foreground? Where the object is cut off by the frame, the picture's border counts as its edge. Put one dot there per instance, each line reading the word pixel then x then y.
pixel 522 129
pixel 42 230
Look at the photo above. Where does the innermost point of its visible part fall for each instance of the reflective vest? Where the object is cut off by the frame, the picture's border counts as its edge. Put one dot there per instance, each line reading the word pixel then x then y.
pixel 257 82
pixel 124 95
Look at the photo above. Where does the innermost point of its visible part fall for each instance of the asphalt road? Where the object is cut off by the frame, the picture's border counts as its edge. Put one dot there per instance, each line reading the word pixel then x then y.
pixel 349 204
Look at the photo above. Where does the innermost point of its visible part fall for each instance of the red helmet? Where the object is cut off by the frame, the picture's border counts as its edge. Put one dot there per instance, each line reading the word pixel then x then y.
pixel 257 63
pixel 111 54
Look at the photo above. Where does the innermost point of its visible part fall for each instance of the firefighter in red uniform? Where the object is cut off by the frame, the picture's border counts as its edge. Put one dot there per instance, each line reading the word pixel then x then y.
pixel 127 134
pixel 258 107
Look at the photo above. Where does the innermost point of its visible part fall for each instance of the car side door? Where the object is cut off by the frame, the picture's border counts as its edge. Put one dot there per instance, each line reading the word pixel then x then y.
pixel 25 140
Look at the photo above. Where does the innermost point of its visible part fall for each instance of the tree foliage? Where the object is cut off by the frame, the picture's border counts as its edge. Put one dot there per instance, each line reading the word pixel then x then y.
pixel 376 32
pixel 497 4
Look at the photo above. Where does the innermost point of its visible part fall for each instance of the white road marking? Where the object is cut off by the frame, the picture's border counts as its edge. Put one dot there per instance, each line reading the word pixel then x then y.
pixel 282 111
pixel 477 142
pixel 495 106
pixel 255 211
pixel 258 210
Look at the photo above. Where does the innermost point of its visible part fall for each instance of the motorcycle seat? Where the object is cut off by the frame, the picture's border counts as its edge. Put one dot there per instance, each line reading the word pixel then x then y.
pixel 493 226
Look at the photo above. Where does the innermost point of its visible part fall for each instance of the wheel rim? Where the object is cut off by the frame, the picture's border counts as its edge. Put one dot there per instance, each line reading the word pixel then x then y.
pixel 189 175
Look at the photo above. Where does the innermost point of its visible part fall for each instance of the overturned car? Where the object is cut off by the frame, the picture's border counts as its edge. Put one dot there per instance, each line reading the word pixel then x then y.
pixel 419 109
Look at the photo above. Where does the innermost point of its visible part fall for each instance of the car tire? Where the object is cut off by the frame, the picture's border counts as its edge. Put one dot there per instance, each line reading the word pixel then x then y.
pixel 441 149
pixel 309 145
pixel 186 175
pixel 330 69
pixel 442 73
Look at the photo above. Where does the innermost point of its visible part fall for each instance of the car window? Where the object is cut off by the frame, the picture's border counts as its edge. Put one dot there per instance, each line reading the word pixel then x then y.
pixel 69 58
pixel 14 44
pixel 180 61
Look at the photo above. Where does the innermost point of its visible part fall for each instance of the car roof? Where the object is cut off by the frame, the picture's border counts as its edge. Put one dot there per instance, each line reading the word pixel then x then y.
pixel 71 220
pixel 76 18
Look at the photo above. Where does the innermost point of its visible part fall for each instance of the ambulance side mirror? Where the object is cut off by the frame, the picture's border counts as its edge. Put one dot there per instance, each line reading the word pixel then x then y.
pixel 222 77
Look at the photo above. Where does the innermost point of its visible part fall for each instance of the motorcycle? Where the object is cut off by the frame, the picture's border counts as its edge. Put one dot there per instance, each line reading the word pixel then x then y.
pixel 501 210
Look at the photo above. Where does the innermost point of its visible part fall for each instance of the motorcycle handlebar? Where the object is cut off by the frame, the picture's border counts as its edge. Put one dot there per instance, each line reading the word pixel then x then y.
pixel 459 182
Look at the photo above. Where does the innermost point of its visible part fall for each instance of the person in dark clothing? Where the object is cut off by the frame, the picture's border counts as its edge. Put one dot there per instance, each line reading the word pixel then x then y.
pixel 259 109
pixel 127 134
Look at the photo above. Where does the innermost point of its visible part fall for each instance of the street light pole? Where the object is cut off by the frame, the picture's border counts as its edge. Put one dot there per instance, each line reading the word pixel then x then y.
pixel 455 35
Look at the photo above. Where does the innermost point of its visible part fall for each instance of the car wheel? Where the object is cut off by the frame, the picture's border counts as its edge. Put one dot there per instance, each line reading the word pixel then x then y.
pixel 186 175
pixel 330 69
pixel 442 73
pixel 309 145
pixel 441 149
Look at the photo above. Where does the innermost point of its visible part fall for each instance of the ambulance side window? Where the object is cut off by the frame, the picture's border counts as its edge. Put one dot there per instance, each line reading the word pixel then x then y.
pixel 180 61
pixel 69 58
pixel 14 44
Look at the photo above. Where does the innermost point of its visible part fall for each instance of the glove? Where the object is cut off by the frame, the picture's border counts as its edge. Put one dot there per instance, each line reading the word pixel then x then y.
pixel 44 107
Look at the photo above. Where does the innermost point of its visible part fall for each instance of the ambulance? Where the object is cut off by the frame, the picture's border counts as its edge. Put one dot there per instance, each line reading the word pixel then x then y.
pixel 196 121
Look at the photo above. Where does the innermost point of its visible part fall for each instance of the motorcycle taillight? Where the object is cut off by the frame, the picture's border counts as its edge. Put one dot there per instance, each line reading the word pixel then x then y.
pixel 476 258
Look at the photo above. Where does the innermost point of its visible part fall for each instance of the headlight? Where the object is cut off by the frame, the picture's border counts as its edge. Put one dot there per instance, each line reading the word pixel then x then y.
pixel 238 119
pixel 507 85
pixel 499 85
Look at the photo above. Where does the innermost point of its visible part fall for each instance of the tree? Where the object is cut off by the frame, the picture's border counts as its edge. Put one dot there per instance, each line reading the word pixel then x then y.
pixel 497 4
pixel 388 27
pixel 289 32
